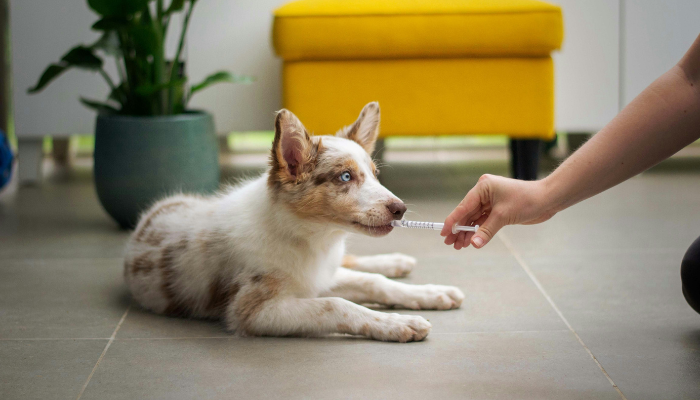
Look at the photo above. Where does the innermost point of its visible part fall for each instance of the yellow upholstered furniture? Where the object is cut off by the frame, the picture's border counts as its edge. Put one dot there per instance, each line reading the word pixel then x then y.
pixel 437 67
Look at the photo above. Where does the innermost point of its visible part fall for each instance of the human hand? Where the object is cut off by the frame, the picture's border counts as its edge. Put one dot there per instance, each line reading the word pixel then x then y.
pixel 494 202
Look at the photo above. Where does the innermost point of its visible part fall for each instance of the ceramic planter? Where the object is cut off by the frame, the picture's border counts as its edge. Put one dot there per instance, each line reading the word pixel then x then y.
pixel 139 160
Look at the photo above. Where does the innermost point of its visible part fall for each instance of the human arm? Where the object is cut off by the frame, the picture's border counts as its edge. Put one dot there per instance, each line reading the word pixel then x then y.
pixel 663 119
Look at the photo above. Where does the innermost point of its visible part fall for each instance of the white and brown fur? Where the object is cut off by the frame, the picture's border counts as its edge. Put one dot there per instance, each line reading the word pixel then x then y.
pixel 268 256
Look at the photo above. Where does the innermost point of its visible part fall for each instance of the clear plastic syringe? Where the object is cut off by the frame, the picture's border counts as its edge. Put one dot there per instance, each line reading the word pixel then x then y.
pixel 437 226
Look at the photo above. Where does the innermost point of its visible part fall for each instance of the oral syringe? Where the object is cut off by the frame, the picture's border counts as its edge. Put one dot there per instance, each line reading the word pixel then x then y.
pixel 436 226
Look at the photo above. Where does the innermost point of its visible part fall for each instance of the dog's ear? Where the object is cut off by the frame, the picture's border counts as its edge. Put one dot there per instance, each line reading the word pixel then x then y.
pixel 366 129
pixel 291 149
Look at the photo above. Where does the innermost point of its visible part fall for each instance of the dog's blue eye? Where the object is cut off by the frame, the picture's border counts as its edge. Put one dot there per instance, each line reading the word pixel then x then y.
pixel 345 176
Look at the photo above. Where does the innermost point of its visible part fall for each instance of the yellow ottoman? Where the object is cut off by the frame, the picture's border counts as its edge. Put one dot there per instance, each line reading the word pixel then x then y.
pixel 437 67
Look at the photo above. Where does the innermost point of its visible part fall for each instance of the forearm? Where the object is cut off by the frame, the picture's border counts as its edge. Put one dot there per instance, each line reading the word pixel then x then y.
pixel 663 119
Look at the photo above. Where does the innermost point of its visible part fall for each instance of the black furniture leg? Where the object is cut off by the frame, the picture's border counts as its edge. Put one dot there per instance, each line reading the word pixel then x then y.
pixel 525 158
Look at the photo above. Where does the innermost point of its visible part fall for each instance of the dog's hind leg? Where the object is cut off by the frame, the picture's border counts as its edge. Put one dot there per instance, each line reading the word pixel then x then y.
pixel 362 287
pixel 394 265
pixel 258 310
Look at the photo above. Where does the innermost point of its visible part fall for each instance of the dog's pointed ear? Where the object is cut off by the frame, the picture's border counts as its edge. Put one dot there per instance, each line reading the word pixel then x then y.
pixel 292 146
pixel 366 129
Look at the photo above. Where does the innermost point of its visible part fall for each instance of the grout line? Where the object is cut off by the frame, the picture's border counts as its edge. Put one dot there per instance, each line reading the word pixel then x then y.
pixel 48 339
pixel 539 286
pixel 111 339
pixel 492 332
pixel 179 338
pixel 59 259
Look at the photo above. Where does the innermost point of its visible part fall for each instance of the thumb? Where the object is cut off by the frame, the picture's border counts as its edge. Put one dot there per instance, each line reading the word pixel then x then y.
pixel 487 231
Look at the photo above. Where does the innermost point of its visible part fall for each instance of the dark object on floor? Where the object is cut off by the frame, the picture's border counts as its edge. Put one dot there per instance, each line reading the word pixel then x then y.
pixel 6 159
pixel 525 158
pixel 690 275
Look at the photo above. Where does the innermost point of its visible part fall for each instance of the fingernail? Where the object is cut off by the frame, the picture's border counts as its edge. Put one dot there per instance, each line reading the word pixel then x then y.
pixel 478 241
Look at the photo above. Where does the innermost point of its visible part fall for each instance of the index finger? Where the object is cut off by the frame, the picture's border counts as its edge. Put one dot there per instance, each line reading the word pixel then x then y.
pixel 468 207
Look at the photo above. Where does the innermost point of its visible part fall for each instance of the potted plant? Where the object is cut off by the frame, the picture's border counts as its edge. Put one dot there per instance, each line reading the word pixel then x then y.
pixel 147 143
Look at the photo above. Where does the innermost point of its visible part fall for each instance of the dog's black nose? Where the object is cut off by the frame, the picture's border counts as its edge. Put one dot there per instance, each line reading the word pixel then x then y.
pixel 397 209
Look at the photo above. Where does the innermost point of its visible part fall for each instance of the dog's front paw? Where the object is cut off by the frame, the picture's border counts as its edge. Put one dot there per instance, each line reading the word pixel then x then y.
pixel 433 297
pixel 398 328
pixel 395 265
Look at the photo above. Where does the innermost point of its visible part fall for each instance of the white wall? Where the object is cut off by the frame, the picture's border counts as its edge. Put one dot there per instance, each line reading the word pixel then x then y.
pixel 224 34
pixel 41 32
pixel 236 35
pixel 587 68
pixel 657 33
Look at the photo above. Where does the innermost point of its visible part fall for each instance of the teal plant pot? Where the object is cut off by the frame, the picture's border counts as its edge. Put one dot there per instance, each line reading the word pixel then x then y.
pixel 139 160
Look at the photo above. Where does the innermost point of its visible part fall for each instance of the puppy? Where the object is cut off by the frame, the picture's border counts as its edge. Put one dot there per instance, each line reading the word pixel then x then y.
pixel 268 256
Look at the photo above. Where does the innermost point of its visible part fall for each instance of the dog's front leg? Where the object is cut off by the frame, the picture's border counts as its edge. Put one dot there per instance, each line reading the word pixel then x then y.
pixel 363 287
pixel 287 316
pixel 394 265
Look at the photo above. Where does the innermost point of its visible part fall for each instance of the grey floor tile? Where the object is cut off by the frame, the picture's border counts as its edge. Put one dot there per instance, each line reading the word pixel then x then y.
pixel 142 323
pixel 47 369
pixel 625 292
pixel 484 366
pixel 647 212
pixel 499 296
pixel 661 362
pixel 630 312
pixel 83 298
pixel 58 220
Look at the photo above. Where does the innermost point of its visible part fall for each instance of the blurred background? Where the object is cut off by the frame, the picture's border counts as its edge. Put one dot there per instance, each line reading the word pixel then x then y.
pixel 611 51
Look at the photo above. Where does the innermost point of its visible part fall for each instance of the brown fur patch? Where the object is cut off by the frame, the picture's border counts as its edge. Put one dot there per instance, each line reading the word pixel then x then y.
pixel 343 328
pixel 211 241
pixel 221 294
pixel 364 330
pixel 141 263
pixel 263 288
pixel 176 306
pixel 317 198
pixel 139 235
pixel 349 261
pixel 327 308
pixel 311 148
pixel 154 238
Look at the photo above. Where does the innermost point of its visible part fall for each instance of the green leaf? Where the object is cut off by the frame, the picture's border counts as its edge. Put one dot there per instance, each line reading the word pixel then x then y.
pixel 99 106
pixel 148 89
pixel 219 77
pixel 119 94
pixel 109 43
pixel 82 57
pixel 51 73
pixel 145 39
pixel 110 23
pixel 175 5
pixel 111 8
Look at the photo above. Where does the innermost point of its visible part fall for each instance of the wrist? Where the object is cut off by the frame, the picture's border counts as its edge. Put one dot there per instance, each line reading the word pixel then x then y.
pixel 551 195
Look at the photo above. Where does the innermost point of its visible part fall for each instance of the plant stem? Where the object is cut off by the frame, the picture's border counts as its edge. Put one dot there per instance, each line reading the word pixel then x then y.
pixel 176 60
pixel 107 78
pixel 159 62
pixel 122 72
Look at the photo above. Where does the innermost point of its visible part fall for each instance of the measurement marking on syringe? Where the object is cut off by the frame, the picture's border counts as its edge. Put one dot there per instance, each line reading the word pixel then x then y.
pixel 437 226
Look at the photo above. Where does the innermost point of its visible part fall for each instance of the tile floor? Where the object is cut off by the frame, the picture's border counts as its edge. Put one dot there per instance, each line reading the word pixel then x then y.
pixel 541 302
